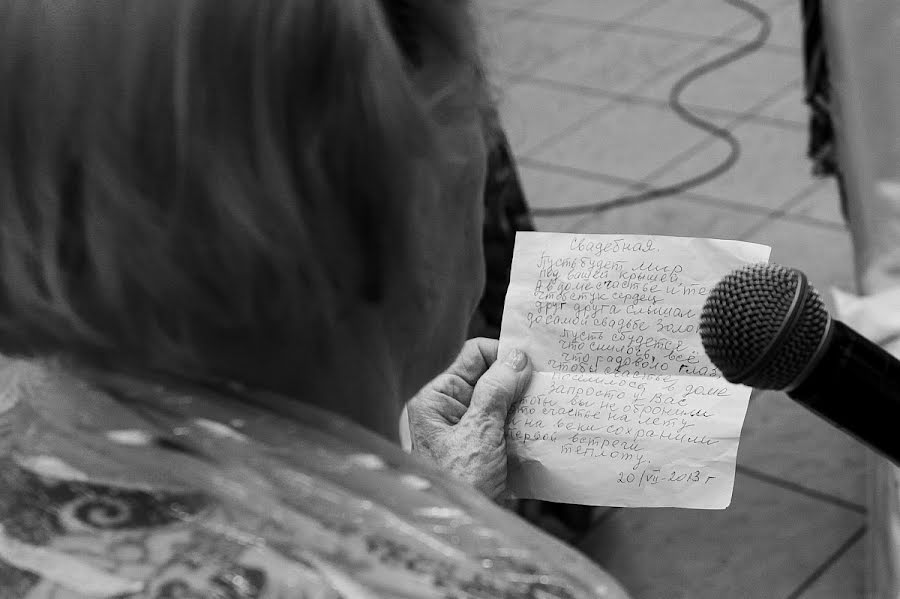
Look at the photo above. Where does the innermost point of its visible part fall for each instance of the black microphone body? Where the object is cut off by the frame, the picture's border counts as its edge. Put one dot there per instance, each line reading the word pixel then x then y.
pixel 765 327
pixel 856 386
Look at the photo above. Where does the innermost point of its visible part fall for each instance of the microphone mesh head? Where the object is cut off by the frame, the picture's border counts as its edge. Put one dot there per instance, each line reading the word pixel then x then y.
pixel 743 315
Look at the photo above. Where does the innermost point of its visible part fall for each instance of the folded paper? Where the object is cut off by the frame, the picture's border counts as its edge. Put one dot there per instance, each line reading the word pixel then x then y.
pixel 624 408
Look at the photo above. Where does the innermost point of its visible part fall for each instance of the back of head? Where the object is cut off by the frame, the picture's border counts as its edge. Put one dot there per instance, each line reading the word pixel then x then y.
pixel 181 178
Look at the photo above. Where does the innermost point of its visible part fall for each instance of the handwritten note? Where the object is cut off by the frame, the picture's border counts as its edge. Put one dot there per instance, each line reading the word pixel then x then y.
pixel 624 407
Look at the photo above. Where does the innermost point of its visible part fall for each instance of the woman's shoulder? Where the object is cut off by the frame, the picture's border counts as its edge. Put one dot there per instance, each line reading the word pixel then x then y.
pixel 66 537
pixel 241 503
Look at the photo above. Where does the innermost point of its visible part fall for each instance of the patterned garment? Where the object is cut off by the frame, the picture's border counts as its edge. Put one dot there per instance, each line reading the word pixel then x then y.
pixel 114 488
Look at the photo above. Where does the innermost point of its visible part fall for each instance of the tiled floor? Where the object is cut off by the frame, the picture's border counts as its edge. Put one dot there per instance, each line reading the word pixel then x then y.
pixel 584 86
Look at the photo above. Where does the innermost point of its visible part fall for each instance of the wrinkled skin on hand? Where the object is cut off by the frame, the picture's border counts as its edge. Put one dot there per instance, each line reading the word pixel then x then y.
pixel 458 420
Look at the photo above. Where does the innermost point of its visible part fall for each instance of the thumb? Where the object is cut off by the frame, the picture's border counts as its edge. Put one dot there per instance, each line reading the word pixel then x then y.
pixel 502 385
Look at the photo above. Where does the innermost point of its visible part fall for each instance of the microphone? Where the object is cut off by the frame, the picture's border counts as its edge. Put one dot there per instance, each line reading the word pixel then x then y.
pixel 764 326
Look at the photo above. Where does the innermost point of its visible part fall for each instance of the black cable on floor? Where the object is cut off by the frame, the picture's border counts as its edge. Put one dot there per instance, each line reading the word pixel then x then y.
pixel 675 104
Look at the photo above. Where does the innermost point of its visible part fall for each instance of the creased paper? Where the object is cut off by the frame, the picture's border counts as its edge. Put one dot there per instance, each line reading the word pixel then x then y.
pixel 624 408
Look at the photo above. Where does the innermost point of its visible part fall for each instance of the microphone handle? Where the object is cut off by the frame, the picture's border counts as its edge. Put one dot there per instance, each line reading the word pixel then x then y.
pixel 856 386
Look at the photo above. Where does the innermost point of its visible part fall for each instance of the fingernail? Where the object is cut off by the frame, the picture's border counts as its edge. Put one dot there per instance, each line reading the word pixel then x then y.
pixel 516 360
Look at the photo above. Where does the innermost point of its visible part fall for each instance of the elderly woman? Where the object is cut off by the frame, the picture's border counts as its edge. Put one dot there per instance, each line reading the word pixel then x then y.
pixel 235 236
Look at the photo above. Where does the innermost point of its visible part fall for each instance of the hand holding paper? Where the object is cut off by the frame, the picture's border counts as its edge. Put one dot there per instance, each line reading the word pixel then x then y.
pixel 623 408
pixel 456 420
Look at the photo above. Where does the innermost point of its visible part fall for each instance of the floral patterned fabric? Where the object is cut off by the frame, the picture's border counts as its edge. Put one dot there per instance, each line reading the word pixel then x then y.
pixel 117 488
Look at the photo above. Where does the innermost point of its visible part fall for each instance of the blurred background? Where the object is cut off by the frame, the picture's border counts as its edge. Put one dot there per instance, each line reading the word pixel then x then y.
pixel 585 90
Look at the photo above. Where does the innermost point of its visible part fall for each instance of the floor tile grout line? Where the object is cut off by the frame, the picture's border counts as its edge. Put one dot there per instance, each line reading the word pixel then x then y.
pixel 820 183
pixel 689 153
pixel 535 4
pixel 719 203
pixel 810 190
pixel 635 185
pixel 509 14
pixel 828 563
pixel 730 126
pixel 800 489
pixel 784 210
pixel 682 157
pixel 648 31
pixel 552 167
pixel 763 212
pixel 740 27
pixel 718 40
pixel 515 76
pixel 528 13
pixel 644 8
pixel 623 23
pixel 689 59
pixel 627 97
pixel 744 117
pixel 818 222
pixel 566 131
pixel 799 218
